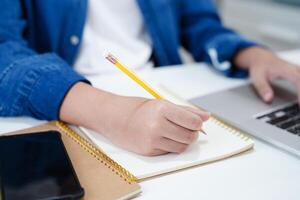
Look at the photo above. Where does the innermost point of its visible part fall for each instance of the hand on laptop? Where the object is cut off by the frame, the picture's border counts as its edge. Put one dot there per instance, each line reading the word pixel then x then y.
pixel 144 126
pixel 264 66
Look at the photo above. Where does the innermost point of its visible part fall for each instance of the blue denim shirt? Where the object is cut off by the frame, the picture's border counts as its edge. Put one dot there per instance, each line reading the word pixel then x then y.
pixel 39 41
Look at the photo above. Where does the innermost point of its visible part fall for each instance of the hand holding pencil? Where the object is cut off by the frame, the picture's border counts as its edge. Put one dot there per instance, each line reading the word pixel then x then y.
pixel 160 126
pixel 135 78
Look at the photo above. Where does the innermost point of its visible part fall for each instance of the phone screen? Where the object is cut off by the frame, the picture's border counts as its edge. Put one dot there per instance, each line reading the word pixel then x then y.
pixel 36 166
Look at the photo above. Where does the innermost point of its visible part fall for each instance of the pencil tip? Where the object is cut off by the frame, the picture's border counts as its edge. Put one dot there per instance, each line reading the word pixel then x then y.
pixel 105 54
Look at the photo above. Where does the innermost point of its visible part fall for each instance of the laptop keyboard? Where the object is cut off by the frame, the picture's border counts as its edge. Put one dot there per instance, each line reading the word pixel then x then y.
pixel 287 118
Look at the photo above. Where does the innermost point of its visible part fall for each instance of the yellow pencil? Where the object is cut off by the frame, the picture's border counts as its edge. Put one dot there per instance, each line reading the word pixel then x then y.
pixel 134 77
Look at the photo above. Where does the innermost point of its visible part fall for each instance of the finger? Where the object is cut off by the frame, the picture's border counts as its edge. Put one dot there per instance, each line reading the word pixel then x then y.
pixel 298 92
pixel 156 152
pixel 203 114
pixel 179 134
pixel 172 146
pixel 262 85
pixel 292 73
pixel 182 117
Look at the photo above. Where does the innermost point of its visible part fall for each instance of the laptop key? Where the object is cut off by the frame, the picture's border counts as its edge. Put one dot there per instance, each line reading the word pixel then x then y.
pixel 295 130
pixel 293 113
pixel 287 124
pixel 291 108
pixel 275 121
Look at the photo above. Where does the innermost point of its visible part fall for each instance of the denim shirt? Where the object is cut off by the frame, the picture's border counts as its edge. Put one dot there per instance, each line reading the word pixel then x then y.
pixel 39 41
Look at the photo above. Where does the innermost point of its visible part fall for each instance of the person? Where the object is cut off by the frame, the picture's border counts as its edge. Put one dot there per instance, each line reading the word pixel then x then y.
pixel 46 48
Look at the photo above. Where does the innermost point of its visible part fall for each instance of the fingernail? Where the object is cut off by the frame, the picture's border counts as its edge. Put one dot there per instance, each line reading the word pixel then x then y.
pixel 208 114
pixel 268 96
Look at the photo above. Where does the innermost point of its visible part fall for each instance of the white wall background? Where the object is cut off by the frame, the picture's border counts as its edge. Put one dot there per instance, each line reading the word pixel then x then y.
pixel 274 23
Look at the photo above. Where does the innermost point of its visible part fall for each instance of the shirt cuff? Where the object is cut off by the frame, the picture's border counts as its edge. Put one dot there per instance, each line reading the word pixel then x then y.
pixel 42 83
pixel 220 51
pixel 50 90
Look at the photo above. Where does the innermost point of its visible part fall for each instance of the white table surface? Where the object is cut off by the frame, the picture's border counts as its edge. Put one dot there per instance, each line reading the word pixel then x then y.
pixel 266 173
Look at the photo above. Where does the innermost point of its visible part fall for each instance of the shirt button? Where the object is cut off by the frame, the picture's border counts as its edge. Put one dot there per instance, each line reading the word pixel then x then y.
pixel 74 40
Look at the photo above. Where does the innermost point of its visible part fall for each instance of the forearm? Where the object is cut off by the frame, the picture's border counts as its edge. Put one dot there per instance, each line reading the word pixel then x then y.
pixel 96 109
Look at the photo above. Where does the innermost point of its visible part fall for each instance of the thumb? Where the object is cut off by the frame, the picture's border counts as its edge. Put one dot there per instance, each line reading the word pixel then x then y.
pixel 263 87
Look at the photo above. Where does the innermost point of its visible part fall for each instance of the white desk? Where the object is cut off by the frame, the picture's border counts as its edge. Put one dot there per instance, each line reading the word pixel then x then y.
pixel 267 173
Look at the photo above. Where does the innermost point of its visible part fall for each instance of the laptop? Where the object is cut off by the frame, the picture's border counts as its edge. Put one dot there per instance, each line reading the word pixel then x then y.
pixel 277 123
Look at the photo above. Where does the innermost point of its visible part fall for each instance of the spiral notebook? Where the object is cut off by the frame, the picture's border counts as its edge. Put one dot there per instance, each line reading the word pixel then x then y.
pixel 222 141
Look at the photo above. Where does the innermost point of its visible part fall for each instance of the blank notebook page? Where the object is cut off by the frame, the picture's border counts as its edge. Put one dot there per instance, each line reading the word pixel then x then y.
pixel 220 142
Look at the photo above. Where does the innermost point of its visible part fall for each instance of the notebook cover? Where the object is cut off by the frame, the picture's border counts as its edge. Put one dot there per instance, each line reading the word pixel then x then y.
pixel 99 180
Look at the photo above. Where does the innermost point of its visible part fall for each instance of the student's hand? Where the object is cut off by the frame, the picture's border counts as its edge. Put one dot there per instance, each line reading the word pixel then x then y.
pixel 144 126
pixel 264 66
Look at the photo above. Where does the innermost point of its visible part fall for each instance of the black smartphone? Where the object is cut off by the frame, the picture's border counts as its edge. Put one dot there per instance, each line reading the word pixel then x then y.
pixel 36 166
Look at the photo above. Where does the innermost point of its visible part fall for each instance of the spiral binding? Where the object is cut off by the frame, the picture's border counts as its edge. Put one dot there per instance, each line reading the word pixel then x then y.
pixel 97 153
pixel 229 128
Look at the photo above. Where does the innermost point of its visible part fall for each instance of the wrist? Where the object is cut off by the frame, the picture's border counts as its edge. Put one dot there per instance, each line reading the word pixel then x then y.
pixel 116 112
pixel 252 56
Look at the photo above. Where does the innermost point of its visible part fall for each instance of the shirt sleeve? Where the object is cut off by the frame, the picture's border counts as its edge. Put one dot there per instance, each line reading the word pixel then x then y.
pixel 31 84
pixel 204 36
